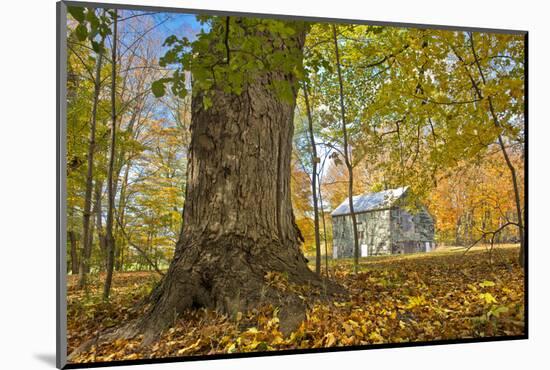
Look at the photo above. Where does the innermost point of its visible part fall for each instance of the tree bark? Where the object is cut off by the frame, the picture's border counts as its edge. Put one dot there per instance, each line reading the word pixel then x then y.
pixel 110 181
pixel 346 155
pixel 314 160
pixel 99 224
pixel 517 199
pixel 324 225
pixel 239 223
pixel 74 253
pixel 119 264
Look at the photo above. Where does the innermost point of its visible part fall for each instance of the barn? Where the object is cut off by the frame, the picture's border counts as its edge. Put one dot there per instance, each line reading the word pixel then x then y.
pixel 384 226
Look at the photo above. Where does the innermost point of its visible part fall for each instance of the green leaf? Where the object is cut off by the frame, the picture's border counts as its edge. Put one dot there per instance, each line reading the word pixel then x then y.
pixel 158 88
pixel 496 311
pixel 170 40
pixel 104 30
pixel 207 102
pixel 77 13
pixel 97 46
pixel 94 21
pixel 113 13
pixel 81 32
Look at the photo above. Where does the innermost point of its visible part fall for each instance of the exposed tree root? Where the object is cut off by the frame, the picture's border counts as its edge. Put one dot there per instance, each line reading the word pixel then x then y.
pixel 229 280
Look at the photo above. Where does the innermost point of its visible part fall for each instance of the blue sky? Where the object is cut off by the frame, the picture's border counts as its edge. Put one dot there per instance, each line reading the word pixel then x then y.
pixel 178 24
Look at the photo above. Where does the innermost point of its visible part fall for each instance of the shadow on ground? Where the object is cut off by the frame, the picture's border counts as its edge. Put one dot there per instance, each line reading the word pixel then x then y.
pixel 47 358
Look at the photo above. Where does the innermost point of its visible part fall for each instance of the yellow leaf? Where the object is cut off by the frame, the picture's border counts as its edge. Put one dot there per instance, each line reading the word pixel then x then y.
pixel 194 345
pixel 377 338
pixel 488 297
pixel 232 348
pixel 331 340
pixel 277 340
pixel 486 283
pixel 416 301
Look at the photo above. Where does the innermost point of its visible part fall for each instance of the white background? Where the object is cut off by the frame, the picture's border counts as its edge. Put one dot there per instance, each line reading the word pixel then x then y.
pixel 27 182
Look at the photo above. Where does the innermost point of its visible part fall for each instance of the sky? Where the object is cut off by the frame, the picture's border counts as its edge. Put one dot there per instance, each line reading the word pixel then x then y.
pixel 179 24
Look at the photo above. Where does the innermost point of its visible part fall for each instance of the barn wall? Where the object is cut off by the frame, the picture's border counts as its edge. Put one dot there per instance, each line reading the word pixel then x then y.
pixel 374 234
pixel 384 232
pixel 411 233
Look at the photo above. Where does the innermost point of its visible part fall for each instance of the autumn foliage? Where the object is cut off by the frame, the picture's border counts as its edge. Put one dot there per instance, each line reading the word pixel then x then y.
pixel 193 144
pixel 441 296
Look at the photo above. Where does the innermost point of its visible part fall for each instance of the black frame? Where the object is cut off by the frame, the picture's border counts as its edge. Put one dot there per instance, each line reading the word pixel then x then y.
pixel 61 274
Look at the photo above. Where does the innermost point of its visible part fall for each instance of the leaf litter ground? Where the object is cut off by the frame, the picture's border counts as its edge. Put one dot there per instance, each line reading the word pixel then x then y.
pixel 393 299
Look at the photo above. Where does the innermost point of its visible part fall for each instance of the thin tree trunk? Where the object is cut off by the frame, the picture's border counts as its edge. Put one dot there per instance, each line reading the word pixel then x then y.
pixel 314 160
pixel 121 257
pixel 86 232
pixel 324 224
pixel 110 180
pixel 511 168
pixel 120 163
pixel 121 214
pixel 149 247
pixel 347 156
pixel 141 250
pixel 99 224
pixel 458 240
pixel 74 253
pixel 517 198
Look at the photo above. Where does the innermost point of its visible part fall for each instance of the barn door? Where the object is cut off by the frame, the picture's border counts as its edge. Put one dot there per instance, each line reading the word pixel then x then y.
pixel 364 250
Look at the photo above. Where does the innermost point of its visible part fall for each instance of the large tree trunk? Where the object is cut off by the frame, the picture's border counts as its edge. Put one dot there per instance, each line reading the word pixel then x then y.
pixel 239 223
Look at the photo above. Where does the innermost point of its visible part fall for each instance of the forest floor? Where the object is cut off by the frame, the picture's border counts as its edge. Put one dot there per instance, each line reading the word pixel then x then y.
pixel 441 295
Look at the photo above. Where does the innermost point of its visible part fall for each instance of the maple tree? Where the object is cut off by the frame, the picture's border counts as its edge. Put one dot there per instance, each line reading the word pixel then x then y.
pixel 135 108
pixel 475 198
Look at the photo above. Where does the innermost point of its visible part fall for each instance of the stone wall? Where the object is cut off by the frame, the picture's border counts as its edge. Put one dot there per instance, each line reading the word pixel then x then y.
pixel 373 230
pixel 411 232
pixel 384 232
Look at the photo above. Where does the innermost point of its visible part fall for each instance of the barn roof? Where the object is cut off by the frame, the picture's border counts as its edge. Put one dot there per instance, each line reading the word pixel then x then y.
pixel 371 201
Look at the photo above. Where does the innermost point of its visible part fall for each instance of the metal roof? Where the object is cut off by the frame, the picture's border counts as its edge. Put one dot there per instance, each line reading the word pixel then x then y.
pixel 371 202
